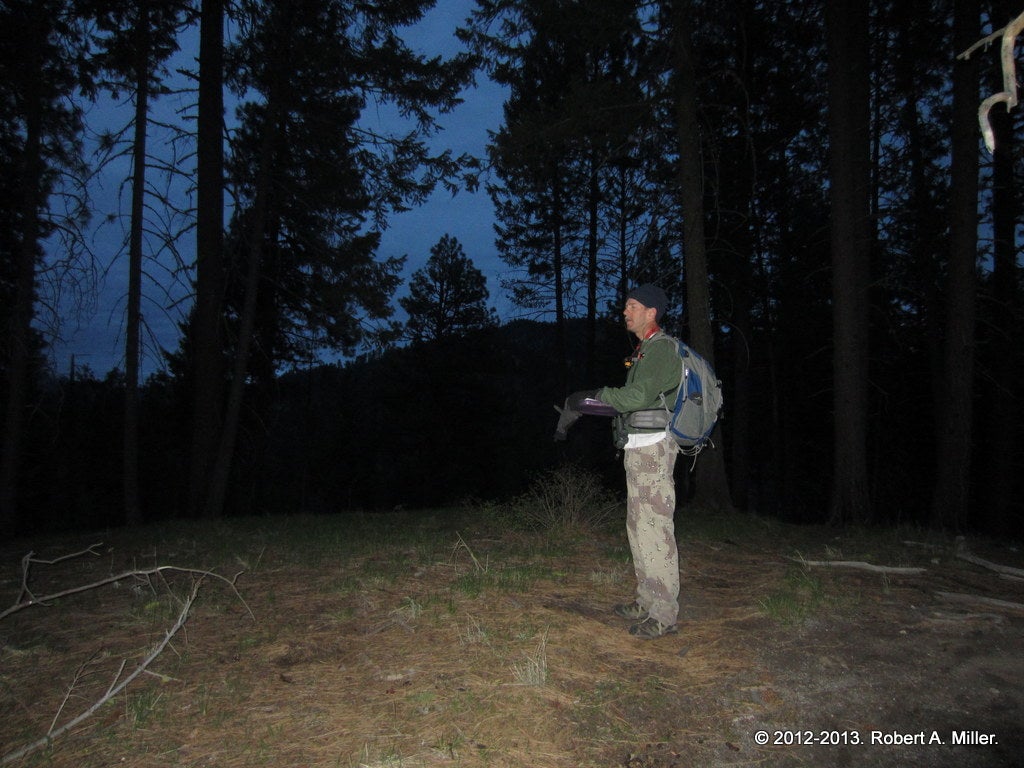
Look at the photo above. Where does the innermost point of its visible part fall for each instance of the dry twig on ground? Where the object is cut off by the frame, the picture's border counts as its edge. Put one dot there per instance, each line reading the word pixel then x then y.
pixel 26 599
pixel 118 684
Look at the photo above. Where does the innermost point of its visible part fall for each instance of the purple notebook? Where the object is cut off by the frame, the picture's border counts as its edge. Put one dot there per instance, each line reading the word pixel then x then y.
pixel 594 407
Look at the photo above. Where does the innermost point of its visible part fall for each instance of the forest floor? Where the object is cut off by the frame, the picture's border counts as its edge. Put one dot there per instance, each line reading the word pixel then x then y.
pixel 451 639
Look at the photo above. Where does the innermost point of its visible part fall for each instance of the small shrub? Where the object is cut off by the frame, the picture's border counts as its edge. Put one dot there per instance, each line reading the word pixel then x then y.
pixel 566 499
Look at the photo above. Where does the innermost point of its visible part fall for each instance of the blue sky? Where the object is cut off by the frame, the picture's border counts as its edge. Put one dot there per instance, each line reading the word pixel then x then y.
pixel 94 334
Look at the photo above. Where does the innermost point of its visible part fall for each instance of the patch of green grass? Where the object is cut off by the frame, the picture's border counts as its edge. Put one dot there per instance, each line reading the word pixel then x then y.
pixel 618 553
pixel 142 706
pixel 388 759
pixel 800 596
pixel 410 610
pixel 380 571
pixel 606 577
pixel 449 742
pixel 705 525
pixel 510 578
pixel 158 608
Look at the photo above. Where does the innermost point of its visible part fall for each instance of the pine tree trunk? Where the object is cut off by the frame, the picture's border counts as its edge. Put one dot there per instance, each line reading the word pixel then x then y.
pixel 558 266
pixel 208 342
pixel 257 227
pixel 850 170
pixel 1001 425
pixel 132 508
pixel 593 217
pixel 712 488
pixel 19 335
pixel 954 411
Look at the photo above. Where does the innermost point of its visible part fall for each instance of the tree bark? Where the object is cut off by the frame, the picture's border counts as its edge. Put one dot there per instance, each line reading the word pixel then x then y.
pixel 19 335
pixel 850 171
pixel 1000 508
pixel 208 365
pixel 712 488
pixel 220 474
pixel 954 409
pixel 558 266
pixel 132 508
pixel 593 218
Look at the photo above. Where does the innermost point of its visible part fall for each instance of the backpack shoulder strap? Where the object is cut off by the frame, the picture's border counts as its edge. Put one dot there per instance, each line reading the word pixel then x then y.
pixel 681 350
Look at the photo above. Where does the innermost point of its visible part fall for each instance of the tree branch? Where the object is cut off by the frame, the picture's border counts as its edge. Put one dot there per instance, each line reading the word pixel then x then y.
pixel 26 599
pixel 1008 34
pixel 1005 571
pixel 862 566
pixel 116 685
pixel 26 566
pixel 989 602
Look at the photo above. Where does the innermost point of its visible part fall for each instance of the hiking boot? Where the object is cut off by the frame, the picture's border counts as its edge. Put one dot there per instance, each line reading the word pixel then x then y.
pixel 652 628
pixel 632 611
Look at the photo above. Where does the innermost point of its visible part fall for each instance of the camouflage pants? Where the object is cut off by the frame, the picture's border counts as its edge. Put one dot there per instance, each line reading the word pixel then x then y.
pixel 650 526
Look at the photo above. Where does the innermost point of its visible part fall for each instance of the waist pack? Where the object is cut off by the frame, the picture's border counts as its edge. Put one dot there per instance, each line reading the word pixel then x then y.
pixel 691 416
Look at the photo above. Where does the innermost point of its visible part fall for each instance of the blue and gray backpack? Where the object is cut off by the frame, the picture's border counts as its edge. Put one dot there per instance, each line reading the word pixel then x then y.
pixel 691 416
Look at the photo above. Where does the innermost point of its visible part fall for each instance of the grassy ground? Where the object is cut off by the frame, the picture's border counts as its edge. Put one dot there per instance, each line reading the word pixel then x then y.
pixel 457 638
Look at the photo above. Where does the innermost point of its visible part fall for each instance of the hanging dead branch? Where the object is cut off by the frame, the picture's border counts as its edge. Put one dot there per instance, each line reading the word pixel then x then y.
pixel 1008 36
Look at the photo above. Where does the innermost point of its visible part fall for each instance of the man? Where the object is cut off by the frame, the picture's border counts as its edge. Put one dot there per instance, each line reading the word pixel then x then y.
pixel 649 460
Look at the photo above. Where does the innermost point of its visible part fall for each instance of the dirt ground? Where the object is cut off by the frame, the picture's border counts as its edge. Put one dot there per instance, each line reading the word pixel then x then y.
pixel 433 642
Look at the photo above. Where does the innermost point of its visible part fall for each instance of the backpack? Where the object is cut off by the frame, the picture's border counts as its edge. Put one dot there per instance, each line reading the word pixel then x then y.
pixel 697 406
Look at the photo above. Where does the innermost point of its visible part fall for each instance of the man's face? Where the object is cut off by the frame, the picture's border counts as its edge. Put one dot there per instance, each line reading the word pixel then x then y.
pixel 638 317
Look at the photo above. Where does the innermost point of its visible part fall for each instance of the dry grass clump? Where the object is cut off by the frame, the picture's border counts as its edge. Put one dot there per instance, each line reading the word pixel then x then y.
pixel 567 499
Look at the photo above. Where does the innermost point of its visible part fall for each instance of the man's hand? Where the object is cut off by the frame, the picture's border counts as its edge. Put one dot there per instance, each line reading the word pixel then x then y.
pixel 566 418
pixel 575 400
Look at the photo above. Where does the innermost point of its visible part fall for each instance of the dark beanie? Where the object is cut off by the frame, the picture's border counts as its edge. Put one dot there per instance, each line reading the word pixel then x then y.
pixel 651 296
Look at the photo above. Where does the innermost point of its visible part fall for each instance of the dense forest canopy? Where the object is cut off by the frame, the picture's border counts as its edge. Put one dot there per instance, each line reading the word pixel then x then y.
pixel 807 181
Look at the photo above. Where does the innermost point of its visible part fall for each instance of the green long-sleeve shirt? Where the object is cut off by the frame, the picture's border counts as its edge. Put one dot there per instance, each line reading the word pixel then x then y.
pixel 657 370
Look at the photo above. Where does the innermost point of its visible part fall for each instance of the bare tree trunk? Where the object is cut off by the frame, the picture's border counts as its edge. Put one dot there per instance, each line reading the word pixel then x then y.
pixel 1001 424
pixel 257 228
pixel 208 316
pixel 954 409
pixel 132 508
pixel 739 408
pixel 558 266
pixel 593 215
pixel 850 170
pixel 19 334
pixel 712 488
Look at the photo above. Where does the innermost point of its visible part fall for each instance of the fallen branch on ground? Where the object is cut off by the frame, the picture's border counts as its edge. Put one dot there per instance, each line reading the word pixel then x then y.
pixel 1004 570
pixel 26 599
pixel 861 566
pixel 116 686
pixel 991 602
pixel 29 559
